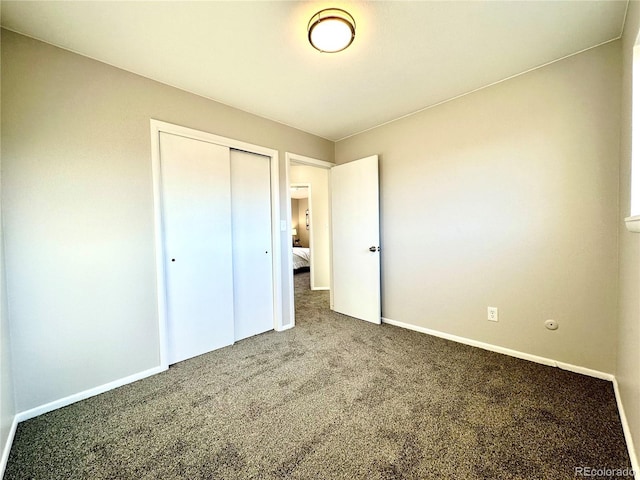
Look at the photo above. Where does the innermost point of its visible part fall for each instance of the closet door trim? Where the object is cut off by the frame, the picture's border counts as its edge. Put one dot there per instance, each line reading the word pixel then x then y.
pixel 157 127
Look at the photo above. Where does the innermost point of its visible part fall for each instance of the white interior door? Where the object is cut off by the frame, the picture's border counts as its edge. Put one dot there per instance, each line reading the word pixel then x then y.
pixel 355 222
pixel 252 249
pixel 196 211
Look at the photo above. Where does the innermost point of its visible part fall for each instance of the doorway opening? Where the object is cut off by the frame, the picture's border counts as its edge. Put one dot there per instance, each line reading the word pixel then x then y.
pixel 309 217
pixel 301 233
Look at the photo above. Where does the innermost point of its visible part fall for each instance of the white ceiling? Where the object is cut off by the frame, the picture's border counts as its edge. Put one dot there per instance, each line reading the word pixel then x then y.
pixel 255 56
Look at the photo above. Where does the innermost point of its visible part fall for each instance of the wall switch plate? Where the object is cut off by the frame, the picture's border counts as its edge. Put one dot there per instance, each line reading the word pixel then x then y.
pixel 492 314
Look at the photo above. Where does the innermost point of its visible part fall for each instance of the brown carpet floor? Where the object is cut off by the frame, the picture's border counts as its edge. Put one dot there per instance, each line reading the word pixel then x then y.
pixel 333 398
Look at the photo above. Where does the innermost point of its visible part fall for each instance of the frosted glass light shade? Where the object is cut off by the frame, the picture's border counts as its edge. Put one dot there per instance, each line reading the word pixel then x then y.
pixel 331 30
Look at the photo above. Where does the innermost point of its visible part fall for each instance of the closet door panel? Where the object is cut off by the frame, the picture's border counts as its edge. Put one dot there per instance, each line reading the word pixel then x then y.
pixel 252 249
pixel 196 206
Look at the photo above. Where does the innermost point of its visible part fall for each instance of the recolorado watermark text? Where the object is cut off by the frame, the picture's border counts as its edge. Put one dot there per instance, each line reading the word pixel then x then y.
pixel 606 472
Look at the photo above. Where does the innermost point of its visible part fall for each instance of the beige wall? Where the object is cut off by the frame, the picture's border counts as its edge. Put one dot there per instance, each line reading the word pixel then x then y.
pixel 628 362
pixel 7 408
pixel 318 178
pixel 507 197
pixel 303 233
pixel 78 211
pixel 294 216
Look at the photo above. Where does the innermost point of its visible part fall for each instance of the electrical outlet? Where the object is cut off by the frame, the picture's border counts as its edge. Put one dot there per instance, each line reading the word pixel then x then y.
pixel 551 324
pixel 492 314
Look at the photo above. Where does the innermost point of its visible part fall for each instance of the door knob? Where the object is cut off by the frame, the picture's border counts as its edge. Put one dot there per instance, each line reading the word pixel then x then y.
pixel 374 249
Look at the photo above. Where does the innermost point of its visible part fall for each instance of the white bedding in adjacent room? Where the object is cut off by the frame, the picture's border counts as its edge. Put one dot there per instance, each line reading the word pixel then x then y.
pixel 301 257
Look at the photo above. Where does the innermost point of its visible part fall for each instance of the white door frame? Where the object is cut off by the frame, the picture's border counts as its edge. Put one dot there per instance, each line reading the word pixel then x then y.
pixel 158 126
pixel 312 162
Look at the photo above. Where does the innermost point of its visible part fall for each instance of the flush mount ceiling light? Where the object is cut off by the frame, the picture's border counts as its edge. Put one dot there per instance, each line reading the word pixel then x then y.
pixel 331 30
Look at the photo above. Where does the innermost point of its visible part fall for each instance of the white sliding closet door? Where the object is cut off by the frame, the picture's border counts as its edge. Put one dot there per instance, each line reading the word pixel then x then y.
pixel 196 211
pixel 252 249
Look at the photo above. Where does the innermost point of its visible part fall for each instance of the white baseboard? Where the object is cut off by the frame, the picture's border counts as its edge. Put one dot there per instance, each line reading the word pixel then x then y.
pixel 76 397
pixel 285 327
pixel 544 361
pixel 505 351
pixel 627 431
pixel 63 402
pixel 319 288
pixel 7 446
